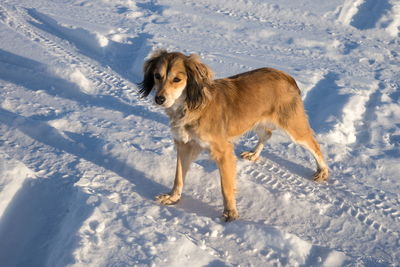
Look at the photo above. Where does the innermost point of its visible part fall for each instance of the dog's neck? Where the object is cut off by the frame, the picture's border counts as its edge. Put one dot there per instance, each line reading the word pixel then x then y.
pixel 178 110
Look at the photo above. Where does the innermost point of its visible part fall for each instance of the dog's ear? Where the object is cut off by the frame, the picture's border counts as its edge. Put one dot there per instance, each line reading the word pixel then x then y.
pixel 148 72
pixel 198 77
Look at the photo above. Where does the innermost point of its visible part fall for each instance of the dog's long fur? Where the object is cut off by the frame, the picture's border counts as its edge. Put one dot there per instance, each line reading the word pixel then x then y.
pixel 211 114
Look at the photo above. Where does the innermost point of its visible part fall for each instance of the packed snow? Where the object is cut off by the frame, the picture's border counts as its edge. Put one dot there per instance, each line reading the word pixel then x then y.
pixel 82 156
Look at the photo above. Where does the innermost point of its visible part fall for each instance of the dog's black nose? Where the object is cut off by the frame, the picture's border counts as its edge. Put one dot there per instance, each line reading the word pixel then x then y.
pixel 160 99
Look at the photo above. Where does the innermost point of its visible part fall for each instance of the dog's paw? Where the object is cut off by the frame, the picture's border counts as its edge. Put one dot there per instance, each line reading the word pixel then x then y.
pixel 321 175
pixel 249 155
pixel 230 215
pixel 167 199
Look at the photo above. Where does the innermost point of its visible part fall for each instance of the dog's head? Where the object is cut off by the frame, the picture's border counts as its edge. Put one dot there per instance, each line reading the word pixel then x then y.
pixel 175 76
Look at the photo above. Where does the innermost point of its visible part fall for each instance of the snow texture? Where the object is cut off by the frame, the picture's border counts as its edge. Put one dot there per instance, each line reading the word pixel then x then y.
pixel 82 156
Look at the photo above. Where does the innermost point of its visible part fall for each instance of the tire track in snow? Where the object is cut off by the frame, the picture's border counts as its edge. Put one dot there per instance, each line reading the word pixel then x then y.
pixel 107 81
pixel 362 210
pixel 239 31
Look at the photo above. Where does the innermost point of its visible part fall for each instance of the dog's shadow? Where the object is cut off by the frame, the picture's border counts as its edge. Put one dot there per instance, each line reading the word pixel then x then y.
pixel 299 170
pixel 291 166
pixel 209 165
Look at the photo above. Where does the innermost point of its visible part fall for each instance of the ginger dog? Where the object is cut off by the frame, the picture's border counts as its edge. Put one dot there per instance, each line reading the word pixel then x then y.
pixel 210 114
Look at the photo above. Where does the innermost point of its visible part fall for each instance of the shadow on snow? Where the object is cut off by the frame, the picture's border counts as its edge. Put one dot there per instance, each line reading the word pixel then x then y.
pixel 36 77
pixel 369 13
pixel 324 103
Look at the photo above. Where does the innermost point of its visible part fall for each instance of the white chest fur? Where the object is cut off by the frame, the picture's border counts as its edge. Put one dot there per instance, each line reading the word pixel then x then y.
pixel 178 123
pixel 182 129
pixel 180 133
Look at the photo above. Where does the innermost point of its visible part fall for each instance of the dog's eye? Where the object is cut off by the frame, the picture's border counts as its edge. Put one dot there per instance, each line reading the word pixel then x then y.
pixel 157 76
pixel 176 80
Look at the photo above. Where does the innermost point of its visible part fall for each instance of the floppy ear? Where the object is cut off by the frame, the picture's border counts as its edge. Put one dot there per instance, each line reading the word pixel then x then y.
pixel 148 72
pixel 198 77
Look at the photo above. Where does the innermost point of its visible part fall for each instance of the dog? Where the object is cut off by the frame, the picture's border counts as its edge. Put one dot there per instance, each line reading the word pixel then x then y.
pixel 208 114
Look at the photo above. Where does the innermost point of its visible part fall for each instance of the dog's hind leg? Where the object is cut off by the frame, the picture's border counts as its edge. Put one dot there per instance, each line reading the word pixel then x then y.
pixel 263 134
pixel 186 153
pixel 301 133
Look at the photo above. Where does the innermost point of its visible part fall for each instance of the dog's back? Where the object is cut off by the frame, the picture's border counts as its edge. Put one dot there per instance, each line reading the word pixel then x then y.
pixel 261 95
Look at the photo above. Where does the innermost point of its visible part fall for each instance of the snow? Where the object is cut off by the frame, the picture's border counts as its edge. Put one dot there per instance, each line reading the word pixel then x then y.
pixel 82 156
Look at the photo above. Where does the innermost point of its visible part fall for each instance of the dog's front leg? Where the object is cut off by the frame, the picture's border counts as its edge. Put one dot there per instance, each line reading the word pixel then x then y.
pixel 186 153
pixel 226 161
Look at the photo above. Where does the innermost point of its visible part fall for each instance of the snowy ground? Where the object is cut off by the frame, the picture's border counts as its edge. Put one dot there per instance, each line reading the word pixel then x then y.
pixel 82 157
